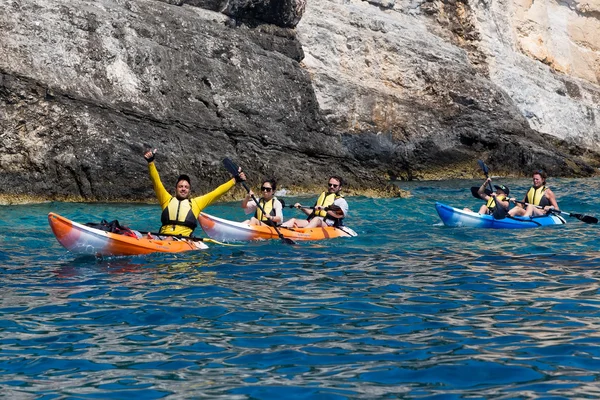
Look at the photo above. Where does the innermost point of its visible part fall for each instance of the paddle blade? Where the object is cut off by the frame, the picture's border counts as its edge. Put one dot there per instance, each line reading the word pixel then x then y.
pixel 475 192
pixel 219 243
pixel 499 213
pixel 333 208
pixel 234 170
pixel 484 167
pixel 287 240
pixel 231 167
pixel 586 218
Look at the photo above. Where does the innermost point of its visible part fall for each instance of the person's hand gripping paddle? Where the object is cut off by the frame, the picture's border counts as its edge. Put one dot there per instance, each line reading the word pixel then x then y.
pixel 234 171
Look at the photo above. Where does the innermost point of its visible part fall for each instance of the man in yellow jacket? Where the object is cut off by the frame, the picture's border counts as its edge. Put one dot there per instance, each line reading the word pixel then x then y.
pixel 180 212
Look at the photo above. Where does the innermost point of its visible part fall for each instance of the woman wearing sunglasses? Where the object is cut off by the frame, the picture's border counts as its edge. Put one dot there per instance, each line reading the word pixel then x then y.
pixel 273 208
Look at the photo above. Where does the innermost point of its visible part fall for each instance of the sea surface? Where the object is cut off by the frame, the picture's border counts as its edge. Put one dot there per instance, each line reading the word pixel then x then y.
pixel 408 309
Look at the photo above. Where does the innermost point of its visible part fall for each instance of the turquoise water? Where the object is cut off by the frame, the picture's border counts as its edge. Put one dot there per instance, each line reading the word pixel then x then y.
pixel 408 309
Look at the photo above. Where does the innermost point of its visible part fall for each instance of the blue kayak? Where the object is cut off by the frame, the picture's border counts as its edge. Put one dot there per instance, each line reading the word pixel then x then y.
pixel 457 217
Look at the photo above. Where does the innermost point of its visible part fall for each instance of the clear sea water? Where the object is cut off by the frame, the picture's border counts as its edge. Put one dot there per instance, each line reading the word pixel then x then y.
pixel 409 309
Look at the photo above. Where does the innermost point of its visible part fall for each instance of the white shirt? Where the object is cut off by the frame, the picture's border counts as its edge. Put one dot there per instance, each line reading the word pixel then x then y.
pixel 341 203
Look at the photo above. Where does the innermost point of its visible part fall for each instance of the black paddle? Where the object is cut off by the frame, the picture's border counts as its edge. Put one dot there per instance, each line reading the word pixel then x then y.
pixel 588 219
pixel 332 207
pixel 302 207
pixel 499 211
pixel 475 189
pixel 475 192
pixel 234 171
pixel 486 171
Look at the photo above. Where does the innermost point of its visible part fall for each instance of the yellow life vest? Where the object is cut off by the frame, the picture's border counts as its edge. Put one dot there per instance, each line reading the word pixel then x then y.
pixel 537 196
pixel 268 207
pixel 324 200
pixel 178 212
pixel 491 203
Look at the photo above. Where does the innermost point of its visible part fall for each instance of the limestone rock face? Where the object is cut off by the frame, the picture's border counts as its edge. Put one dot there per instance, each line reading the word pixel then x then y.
pixel 370 90
pixel 443 79
pixel 565 38
pixel 283 13
pixel 547 59
pixel 86 86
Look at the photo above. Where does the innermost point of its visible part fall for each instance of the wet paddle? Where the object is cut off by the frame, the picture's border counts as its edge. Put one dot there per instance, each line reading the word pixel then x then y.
pixel 588 219
pixel 499 212
pixel 234 171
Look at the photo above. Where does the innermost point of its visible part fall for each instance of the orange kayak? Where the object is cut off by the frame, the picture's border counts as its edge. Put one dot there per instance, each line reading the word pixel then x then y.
pixel 230 231
pixel 82 239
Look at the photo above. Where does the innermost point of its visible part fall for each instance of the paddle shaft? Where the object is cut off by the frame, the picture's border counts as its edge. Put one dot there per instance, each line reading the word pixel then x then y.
pixel 192 238
pixel 173 236
pixel 311 208
pixel 485 171
pixel 540 207
pixel 234 170
pixel 258 204
pixel 283 238
pixel 584 218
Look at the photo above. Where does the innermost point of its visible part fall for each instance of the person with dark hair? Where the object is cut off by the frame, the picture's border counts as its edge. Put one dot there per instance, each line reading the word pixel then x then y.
pixel 496 203
pixel 330 209
pixel 272 207
pixel 180 212
pixel 538 195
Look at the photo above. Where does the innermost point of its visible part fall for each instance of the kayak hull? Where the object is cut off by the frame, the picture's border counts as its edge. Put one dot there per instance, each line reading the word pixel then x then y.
pixel 231 231
pixel 456 217
pixel 82 239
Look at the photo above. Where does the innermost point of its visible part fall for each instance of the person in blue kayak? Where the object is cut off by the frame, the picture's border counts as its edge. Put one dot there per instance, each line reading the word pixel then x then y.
pixel 272 207
pixel 496 203
pixel 539 199
pixel 180 212
pixel 330 209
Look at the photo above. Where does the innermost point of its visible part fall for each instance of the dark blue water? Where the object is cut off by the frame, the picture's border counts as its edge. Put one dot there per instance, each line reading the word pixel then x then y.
pixel 407 309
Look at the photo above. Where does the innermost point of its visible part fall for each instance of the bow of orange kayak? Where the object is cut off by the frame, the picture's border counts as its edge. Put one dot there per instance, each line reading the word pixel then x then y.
pixel 82 239
pixel 231 231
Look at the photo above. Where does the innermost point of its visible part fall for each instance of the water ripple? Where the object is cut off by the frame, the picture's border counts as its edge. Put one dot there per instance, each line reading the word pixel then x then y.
pixel 408 309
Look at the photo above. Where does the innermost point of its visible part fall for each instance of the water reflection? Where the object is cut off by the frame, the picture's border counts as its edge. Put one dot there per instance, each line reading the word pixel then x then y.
pixel 409 309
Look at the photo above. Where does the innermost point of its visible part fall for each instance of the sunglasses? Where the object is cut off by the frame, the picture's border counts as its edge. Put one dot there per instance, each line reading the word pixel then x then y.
pixel 265 189
pixel 333 185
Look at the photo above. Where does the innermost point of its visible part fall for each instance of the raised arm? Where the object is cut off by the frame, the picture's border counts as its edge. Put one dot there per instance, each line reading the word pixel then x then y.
pixel 161 193
pixel 481 191
pixel 201 202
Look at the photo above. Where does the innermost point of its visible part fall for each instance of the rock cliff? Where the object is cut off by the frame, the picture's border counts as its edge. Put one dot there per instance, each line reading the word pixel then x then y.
pixel 368 90
pixel 441 82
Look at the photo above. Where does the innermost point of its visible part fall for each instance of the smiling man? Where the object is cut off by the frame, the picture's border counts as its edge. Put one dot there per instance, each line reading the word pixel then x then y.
pixel 180 212
pixel 330 209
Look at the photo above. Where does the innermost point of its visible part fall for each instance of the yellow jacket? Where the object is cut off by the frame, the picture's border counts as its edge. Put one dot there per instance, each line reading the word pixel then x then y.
pixel 185 212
